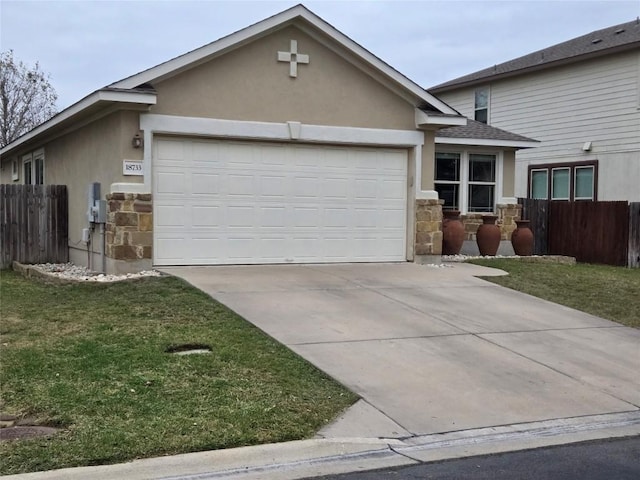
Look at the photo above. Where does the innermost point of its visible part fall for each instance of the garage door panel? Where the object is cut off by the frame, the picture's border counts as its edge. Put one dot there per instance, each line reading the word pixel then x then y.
pixel 390 190
pixel 169 150
pixel 273 186
pixel 240 216
pixel 222 202
pixel 171 182
pixel 335 188
pixel 273 217
pixel 305 187
pixel 366 218
pixel 390 219
pixel 240 185
pixel 336 218
pixel 366 189
pixel 273 155
pixel 205 249
pixel 205 216
pixel 170 216
pixel 305 217
pixel 205 183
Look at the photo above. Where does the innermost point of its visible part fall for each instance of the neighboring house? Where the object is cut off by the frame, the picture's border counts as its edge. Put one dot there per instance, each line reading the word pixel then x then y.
pixel 580 99
pixel 285 142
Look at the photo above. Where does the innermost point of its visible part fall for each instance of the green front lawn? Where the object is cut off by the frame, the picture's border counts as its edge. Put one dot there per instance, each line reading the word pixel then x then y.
pixel 92 359
pixel 608 292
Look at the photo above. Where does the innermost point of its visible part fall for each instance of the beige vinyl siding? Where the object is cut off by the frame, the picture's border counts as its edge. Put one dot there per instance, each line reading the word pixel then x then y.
pixel 460 100
pixel 596 101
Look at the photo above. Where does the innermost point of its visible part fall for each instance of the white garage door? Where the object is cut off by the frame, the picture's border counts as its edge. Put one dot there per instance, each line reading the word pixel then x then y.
pixel 226 202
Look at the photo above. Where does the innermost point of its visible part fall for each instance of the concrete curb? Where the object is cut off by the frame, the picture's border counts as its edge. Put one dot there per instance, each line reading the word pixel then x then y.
pixel 310 458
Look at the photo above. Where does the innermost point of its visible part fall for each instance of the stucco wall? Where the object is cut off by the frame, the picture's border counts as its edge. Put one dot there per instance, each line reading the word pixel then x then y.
pixel 93 153
pixel 508 173
pixel 250 84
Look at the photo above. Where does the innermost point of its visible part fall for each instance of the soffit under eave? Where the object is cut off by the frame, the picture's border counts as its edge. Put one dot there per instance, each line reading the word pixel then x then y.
pixel 86 116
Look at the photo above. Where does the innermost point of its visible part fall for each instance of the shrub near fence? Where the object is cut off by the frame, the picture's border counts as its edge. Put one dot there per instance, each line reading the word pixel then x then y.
pixel 33 224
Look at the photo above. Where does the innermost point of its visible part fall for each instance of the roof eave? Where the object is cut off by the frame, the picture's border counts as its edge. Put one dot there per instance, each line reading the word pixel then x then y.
pixel 534 68
pixel 484 142
pixel 430 120
pixel 86 106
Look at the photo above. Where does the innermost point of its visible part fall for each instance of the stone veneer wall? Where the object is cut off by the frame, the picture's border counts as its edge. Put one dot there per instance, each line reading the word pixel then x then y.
pixel 507 216
pixel 129 233
pixel 428 227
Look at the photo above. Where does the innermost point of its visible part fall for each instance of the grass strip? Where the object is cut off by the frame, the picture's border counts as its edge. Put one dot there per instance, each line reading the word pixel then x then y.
pixel 606 291
pixel 91 358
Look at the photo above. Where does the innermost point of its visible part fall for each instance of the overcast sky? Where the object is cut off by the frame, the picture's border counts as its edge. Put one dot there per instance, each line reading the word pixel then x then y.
pixel 88 44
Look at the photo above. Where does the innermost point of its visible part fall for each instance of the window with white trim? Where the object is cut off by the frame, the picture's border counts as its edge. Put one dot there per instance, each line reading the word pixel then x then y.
pixel 481 105
pixel 27 169
pixel 466 181
pixel 560 179
pixel 539 184
pixel 583 183
pixel 447 178
pixel 15 170
pixel 569 182
pixel 482 182
pixel 33 168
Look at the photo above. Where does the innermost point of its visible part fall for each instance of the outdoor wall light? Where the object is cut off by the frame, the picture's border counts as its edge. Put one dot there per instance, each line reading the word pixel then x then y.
pixel 587 146
pixel 137 141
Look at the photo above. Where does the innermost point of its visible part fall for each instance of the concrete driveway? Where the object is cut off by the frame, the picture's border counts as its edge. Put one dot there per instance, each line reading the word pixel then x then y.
pixel 434 350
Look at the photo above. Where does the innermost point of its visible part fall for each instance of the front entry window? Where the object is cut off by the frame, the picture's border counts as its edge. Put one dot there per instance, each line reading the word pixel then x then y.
pixel 466 181
pixel 448 179
pixel 482 182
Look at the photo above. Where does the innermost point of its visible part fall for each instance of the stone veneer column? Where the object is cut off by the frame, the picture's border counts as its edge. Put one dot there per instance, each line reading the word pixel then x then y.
pixel 129 226
pixel 428 227
pixel 507 216
pixel 471 222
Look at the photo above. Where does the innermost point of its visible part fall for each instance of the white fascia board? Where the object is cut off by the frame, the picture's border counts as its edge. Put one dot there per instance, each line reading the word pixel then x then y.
pixel 211 127
pixel 145 98
pixel 273 23
pixel 483 142
pixel 428 119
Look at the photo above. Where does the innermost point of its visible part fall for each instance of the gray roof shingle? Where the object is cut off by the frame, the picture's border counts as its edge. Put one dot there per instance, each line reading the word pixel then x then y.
pixel 478 130
pixel 621 37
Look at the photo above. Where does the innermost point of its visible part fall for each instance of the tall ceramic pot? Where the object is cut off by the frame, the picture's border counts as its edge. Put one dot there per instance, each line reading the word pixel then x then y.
pixel 522 238
pixel 488 236
pixel 452 232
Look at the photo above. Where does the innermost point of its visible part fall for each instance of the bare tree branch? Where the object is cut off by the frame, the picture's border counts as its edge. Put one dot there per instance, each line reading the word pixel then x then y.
pixel 27 99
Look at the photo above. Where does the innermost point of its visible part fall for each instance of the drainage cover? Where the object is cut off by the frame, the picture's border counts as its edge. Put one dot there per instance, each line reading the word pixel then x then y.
pixel 189 349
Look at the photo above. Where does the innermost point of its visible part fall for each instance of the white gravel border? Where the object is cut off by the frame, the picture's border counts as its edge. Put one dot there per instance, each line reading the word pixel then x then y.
pixel 69 271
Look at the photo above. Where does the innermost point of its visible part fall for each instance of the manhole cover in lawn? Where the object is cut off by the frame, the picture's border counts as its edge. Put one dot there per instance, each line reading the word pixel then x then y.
pixel 18 433
pixel 189 349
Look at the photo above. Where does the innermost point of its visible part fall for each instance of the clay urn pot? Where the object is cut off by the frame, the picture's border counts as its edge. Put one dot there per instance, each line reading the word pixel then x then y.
pixel 488 236
pixel 452 232
pixel 522 239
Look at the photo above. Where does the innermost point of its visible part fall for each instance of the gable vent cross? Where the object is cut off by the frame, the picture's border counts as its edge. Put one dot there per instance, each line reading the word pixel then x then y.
pixel 294 58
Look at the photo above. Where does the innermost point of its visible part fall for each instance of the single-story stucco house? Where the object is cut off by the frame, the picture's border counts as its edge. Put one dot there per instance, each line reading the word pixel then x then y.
pixel 285 142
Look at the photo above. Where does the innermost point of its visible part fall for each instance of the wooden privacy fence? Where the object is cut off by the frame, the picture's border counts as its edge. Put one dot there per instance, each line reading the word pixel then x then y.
pixel 33 224
pixel 593 232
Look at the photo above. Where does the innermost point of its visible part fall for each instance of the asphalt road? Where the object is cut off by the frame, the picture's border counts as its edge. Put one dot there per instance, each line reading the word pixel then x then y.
pixel 612 459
